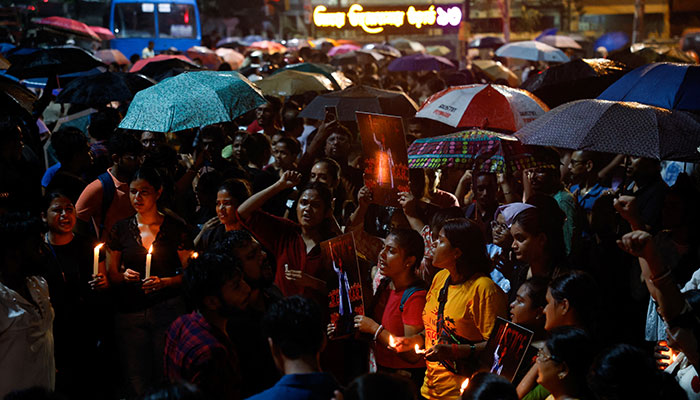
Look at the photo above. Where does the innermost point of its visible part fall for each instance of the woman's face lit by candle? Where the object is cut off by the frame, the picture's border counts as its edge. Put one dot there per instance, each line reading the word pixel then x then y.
pixel 226 208
pixel 392 258
pixel 60 215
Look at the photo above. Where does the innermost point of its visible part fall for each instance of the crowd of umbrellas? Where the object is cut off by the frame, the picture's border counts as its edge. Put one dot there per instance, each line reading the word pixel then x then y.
pixel 585 104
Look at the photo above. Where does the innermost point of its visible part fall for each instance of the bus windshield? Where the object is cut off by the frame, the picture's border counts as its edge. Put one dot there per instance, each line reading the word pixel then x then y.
pixel 134 20
pixel 176 21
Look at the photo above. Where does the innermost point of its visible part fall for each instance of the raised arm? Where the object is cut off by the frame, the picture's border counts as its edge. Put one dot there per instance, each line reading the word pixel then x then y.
pixel 287 180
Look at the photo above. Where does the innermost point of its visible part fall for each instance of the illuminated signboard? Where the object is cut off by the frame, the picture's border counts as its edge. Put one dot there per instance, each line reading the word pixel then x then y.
pixel 374 21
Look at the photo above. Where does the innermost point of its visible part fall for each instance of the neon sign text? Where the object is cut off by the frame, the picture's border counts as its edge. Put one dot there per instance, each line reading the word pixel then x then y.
pixel 374 21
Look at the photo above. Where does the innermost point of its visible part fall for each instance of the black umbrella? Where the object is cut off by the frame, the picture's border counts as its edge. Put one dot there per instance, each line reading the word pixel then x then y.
pixel 487 42
pixel 160 70
pixel 360 98
pixel 617 127
pixel 648 55
pixel 574 80
pixel 51 62
pixel 101 89
pixel 15 98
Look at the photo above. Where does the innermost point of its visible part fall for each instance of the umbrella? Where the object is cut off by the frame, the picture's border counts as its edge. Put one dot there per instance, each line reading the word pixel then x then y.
pixel 103 33
pixel 138 65
pixel 420 62
pixel 323 69
pixel 612 41
pixel 109 56
pixel 230 56
pixel 360 57
pixel 493 107
pixel 578 79
pixel 487 42
pixel 617 127
pixel 560 42
pixel 268 46
pixel 297 43
pixel 4 63
pixel 15 98
pixel 547 32
pixel 191 100
pixel 438 50
pixel 496 71
pixel 533 51
pixel 321 41
pixel 164 66
pixel 342 49
pixel 205 56
pixel 637 56
pixel 290 82
pixel 250 39
pixel 6 47
pixel 407 46
pixel 69 25
pixel 665 85
pixel 341 42
pixel 98 90
pixel 384 49
pixel 51 62
pixel 360 98
pixel 492 151
pixel 230 42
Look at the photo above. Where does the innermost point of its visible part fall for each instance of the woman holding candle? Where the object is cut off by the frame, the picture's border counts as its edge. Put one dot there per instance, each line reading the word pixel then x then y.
pixel 146 305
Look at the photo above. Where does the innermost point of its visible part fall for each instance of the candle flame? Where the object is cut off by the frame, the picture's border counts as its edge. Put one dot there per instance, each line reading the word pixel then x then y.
pixel 464 386
pixel 99 246
pixel 150 249
pixel 673 357
pixel 392 341
pixel 418 349
pixel 195 255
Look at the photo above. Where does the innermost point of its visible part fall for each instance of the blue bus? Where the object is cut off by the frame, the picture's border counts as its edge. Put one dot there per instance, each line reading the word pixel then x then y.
pixel 168 23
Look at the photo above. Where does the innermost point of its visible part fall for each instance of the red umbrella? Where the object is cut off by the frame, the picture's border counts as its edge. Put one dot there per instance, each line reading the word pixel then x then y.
pixel 110 56
pixel 70 25
pixel 161 57
pixel 493 107
pixel 103 33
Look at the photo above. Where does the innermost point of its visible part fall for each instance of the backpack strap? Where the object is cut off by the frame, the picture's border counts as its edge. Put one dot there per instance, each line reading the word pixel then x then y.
pixel 108 193
pixel 407 294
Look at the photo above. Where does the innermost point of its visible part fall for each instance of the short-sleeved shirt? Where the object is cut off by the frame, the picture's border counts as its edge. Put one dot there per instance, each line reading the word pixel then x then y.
pixel 89 205
pixel 125 237
pixel 470 312
pixel 394 320
pixel 587 200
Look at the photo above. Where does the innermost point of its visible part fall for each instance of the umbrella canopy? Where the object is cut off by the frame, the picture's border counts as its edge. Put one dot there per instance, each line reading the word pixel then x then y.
pixel 612 41
pixel 384 49
pixel 231 42
pixel 360 57
pixel 360 98
pixel 319 42
pixel 637 56
pixel 674 86
pixel 191 100
pixel 492 107
pixel 207 57
pixel 109 56
pixel 420 62
pixel 51 62
pixel 438 50
pixel 230 56
pixel 490 151
pixel 533 51
pixel 496 71
pixel 69 25
pixel 289 83
pixel 297 43
pixel 487 42
pixel 560 42
pixel 15 98
pixel 138 65
pixel 103 33
pixel 250 39
pixel 578 79
pixel 98 90
pixel 407 46
pixel 323 69
pixel 268 46
pixel 164 66
pixel 617 127
pixel 342 49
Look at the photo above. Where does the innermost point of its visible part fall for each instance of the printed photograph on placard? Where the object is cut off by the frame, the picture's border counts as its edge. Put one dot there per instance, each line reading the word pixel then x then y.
pixel 385 156
pixel 508 343
pixel 345 286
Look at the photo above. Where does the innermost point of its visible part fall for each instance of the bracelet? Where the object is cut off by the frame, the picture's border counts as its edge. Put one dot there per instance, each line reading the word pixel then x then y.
pixel 377 332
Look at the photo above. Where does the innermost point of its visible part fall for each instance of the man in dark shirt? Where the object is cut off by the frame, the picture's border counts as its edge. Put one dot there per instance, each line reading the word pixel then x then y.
pixel 197 348
pixel 649 190
pixel 73 152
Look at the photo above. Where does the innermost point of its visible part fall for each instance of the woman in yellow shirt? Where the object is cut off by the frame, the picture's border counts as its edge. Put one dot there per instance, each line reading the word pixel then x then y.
pixel 460 311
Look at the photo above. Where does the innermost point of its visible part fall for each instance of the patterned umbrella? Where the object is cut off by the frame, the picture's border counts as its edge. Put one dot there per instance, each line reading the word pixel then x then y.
pixel 69 25
pixel 289 83
pixel 482 150
pixel 533 51
pixel 190 100
pixel 493 107
pixel 618 127
pixel 103 88
pixel 109 56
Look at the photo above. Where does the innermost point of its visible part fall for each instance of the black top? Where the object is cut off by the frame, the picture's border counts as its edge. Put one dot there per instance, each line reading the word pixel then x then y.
pixel 165 262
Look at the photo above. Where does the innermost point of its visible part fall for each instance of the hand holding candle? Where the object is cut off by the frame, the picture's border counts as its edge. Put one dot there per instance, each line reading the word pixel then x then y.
pixel 148 262
pixel 418 350
pixel 96 260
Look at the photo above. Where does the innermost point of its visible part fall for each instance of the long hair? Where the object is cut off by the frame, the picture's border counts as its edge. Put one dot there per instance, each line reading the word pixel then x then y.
pixel 467 237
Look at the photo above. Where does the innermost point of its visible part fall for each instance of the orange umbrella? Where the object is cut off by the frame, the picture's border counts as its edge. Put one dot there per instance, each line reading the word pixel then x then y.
pixel 103 33
pixel 69 25
pixel 268 46
pixel 161 57
pixel 230 56
pixel 109 56
pixel 205 56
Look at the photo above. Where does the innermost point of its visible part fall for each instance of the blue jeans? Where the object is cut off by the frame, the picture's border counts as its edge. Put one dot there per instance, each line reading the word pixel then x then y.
pixel 140 338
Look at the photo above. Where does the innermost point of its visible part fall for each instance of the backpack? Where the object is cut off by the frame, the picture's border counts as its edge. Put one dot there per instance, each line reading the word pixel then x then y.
pixel 407 294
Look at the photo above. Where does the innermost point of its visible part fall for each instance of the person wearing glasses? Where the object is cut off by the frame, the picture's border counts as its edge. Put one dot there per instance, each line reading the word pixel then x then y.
pixel 563 362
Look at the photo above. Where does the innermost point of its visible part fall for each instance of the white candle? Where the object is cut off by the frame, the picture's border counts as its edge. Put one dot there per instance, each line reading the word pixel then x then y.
pixel 462 388
pixel 418 350
pixel 148 262
pixel 96 259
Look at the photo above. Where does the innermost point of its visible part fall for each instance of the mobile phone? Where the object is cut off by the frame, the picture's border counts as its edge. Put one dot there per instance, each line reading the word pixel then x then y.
pixel 331 114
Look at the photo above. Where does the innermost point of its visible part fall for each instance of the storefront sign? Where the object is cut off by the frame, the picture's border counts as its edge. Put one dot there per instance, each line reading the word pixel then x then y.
pixel 375 21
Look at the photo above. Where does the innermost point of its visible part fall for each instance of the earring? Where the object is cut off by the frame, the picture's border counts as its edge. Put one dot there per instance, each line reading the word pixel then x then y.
pixel 562 375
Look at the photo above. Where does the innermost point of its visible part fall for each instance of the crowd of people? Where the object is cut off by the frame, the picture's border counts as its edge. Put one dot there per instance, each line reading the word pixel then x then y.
pixel 188 265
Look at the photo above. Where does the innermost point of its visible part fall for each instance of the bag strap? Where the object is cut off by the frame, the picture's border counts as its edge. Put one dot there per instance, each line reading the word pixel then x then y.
pixel 407 294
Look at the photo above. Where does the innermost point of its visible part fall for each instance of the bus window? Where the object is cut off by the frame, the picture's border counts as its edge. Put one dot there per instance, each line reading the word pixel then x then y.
pixel 176 21
pixel 134 20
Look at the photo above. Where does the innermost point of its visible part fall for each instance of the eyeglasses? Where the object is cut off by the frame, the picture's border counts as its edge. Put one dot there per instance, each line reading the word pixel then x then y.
pixel 542 357
pixel 497 226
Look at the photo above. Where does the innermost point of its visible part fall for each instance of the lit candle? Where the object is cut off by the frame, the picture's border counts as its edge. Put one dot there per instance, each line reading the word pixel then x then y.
pixel 462 388
pixel 96 259
pixel 392 341
pixel 418 349
pixel 194 255
pixel 148 262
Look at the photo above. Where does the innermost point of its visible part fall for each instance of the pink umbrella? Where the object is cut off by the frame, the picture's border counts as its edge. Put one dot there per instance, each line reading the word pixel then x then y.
pixel 109 56
pixel 342 49
pixel 103 33
pixel 205 56
pixel 230 56
pixel 268 46
pixel 138 65
pixel 69 25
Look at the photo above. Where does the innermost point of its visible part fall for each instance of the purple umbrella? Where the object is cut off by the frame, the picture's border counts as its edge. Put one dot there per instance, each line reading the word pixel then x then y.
pixel 420 62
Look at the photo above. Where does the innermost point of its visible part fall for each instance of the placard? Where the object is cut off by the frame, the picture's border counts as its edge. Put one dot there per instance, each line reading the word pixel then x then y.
pixel 508 343
pixel 345 291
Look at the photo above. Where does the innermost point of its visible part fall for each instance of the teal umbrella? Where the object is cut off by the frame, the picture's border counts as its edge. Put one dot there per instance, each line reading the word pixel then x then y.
pixel 190 100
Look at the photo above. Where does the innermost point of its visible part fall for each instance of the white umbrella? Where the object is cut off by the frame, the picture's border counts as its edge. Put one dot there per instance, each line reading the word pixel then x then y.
pixel 533 51
pixel 560 42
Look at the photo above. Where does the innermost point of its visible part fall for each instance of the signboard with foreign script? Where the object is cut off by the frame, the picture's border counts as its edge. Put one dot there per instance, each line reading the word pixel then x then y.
pixel 374 20
pixel 345 298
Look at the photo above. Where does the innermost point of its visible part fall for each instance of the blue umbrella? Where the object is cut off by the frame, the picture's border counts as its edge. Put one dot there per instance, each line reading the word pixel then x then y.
pixel 420 62
pixel 190 100
pixel 547 32
pixel 666 85
pixel 612 41
pixel 5 47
